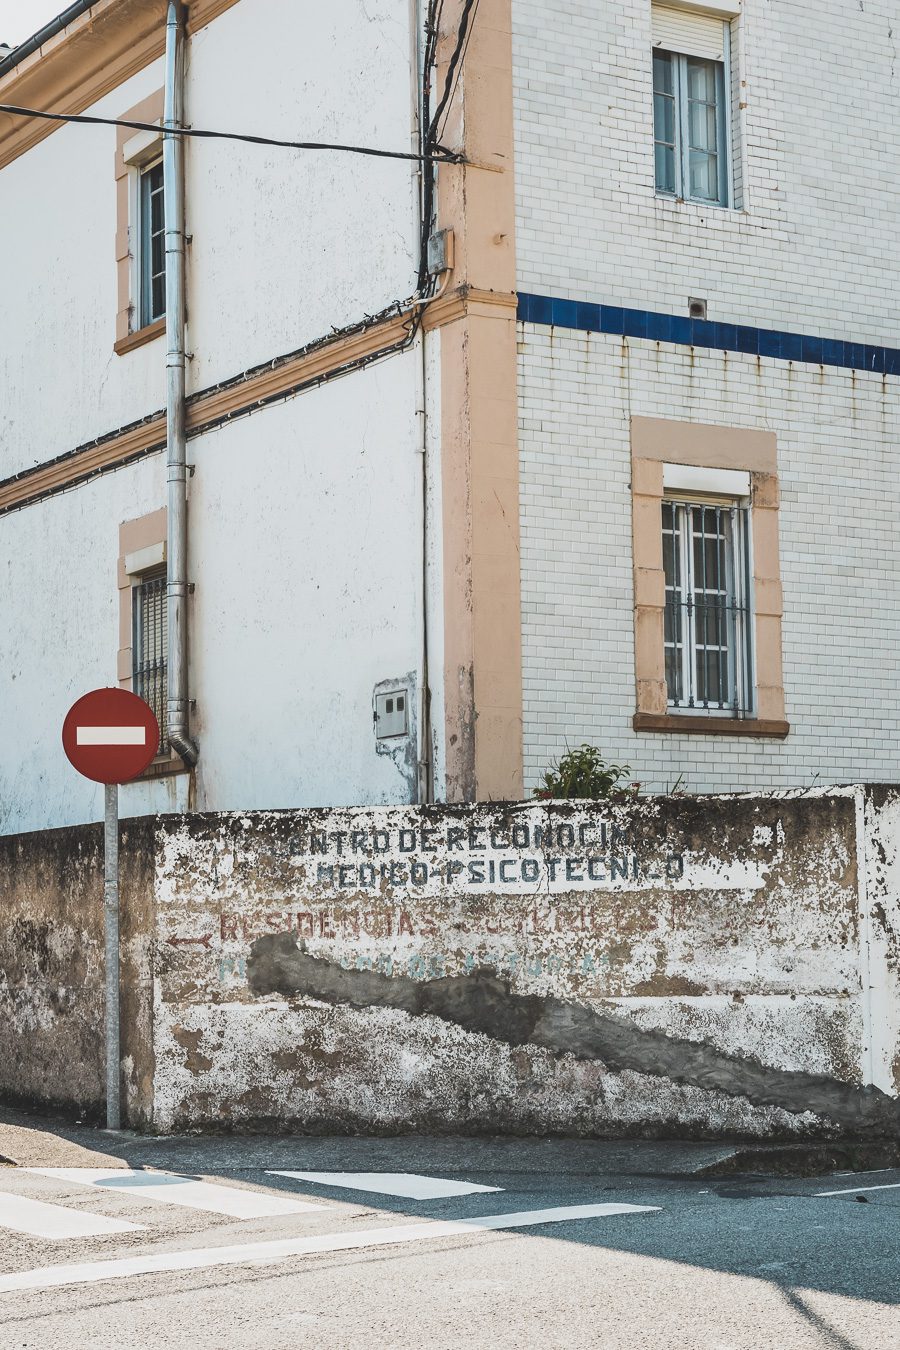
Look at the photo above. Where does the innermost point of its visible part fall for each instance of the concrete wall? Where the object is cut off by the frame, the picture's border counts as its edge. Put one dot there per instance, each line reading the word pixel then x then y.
pixel 712 966
pixel 52 1049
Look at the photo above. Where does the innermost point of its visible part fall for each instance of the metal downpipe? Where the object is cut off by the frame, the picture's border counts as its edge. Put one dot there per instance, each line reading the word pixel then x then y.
pixel 176 445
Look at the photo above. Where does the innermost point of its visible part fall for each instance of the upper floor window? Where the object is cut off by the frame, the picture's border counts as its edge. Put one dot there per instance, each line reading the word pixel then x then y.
pixel 690 105
pixel 689 127
pixel 707 614
pixel 151 245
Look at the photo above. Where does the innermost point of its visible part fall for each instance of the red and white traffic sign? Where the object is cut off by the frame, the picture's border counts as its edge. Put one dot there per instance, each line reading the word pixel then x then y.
pixel 110 735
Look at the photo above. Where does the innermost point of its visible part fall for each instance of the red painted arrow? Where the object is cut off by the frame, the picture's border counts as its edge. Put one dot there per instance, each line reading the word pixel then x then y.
pixel 180 942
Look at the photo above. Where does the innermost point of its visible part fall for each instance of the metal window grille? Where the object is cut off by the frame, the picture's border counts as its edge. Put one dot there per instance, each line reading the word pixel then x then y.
pixel 689 127
pixel 150 648
pixel 707 615
pixel 152 245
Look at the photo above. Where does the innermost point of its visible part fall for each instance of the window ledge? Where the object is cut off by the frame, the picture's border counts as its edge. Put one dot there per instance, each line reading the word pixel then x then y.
pixel 709 726
pixel 163 768
pixel 137 339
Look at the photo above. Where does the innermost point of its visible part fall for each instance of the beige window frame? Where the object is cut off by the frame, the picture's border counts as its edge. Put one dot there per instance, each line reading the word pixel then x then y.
pixel 656 442
pixel 142 551
pixel 135 151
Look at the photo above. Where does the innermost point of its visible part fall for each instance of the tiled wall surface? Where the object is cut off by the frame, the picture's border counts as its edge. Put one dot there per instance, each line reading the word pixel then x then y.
pixel 811 249
pixel 840 556
pixel 808 256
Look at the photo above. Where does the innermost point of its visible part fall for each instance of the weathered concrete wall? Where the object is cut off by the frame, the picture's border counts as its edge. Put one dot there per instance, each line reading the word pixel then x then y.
pixel 52 968
pixel 712 966
pixel 700 965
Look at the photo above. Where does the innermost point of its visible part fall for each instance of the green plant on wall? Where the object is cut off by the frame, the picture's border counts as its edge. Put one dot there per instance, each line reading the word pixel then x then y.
pixel 585 773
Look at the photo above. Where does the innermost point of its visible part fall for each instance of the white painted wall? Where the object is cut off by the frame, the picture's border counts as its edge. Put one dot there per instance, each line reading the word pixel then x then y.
pixel 62 383
pixel 285 245
pixel 58 638
pixel 305 519
pixel 306 555
pixel 288 244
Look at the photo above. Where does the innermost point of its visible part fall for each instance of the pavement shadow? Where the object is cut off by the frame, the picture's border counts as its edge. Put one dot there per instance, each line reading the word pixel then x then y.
pixel 767 1228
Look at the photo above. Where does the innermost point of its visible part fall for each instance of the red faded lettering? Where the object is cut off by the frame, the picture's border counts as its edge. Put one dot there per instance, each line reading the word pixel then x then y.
pixel 405 924
pixel 228 926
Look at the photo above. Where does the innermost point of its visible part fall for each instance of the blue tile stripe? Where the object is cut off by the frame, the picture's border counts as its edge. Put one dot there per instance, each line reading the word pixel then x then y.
pixel 730 337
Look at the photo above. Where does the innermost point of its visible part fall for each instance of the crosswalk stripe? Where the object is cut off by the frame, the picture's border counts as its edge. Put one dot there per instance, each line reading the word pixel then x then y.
pixel 55 1222
pixel 855 1190
pixel 90 1272
pixel 407 1184
pixel 170 1189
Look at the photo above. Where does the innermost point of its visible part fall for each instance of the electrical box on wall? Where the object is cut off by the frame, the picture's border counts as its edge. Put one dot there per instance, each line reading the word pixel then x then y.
pixel 391 714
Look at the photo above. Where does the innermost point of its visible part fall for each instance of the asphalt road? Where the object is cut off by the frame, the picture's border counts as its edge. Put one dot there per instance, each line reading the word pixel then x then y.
pixel 620 1246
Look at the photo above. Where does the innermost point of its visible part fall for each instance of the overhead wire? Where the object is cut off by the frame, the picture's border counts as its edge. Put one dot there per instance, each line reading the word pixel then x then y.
pixel 450 84
pixel 435 154
pixel 460 67
pixel 431 152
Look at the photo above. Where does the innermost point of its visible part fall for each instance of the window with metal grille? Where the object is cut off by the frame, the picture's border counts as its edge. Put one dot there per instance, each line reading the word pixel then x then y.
pixel 690 127
pixel 152 245
pixel 150 648
pixel 707 615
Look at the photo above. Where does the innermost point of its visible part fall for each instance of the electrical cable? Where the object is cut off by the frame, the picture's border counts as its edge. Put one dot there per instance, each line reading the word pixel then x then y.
pixel 451 69
pixel 460 68
pixel 437 154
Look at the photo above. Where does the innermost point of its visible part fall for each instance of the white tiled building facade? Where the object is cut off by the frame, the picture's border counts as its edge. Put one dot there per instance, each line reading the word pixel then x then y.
pixel 803 247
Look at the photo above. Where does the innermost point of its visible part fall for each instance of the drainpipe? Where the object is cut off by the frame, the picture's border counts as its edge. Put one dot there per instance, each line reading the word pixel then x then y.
pixel 425 774
pixel 176 445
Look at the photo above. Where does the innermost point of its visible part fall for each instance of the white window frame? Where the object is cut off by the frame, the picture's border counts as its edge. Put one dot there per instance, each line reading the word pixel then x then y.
pixel 144 291
pixel 682 138
pixel 738 590
pixel 141 153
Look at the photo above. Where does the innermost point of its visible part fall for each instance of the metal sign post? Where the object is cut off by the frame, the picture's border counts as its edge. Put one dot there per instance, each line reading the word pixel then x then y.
pixel 111 736
pixel 111 930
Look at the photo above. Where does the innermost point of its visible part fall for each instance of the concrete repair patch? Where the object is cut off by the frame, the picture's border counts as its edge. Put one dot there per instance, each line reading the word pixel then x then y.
pixel 484 1004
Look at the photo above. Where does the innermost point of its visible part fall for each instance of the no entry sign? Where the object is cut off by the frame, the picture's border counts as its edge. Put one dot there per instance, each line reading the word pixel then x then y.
pixel 110 735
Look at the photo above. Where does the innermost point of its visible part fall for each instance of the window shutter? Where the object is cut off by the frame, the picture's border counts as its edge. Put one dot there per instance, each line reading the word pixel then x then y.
pixel 679 30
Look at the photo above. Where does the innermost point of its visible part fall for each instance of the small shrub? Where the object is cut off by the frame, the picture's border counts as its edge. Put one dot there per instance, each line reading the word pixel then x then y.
pixel 584 773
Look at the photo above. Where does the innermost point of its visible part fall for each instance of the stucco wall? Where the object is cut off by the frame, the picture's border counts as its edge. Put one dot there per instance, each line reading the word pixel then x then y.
pixel 306 597
pixel 703 966
pixel 52 969
pixel 359 969
pixel 267 226
pixel 305 529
